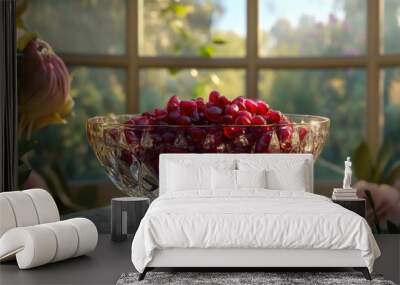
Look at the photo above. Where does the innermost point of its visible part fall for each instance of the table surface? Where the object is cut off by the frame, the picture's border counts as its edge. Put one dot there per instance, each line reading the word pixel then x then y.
pixel 102 266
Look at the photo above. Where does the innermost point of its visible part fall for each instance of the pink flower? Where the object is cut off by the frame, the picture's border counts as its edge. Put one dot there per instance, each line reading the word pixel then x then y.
pixel 386 200
pixel 35 180
pixel 44 90
pixel 333 19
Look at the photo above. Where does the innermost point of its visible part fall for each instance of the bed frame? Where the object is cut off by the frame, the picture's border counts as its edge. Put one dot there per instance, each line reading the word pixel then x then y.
pixel 233 259
pixel 249 259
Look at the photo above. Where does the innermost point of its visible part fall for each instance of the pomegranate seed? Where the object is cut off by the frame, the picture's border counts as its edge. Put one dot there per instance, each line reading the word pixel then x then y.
pixel 274 116
pixel 223 101
pixel 285 133
pixel 156 137
pixel 201 106
pixel 227 119
pixel 188 107
pixel 148 114
pixel 173 103
pixel 302 133
pixel 263 143
pixel 232 132
pixel 262 107
pixel 251 106
pixel 195 116
pixel 197 134
pixel 214 97
pixel 202 118
pixel 238 100
pixel 174 115
pixel 232 110
pixel 258 120
pixel 183 120
pixel 131 137
pixel 213 113
pixel 242 120
pixel 130 122
pixel 245 113
pixel 168 137
pixel 241 106
pixel 160 113
pixel 142 121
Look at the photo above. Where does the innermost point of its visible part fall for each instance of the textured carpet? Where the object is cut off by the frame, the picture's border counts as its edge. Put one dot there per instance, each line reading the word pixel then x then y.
pixel 269 278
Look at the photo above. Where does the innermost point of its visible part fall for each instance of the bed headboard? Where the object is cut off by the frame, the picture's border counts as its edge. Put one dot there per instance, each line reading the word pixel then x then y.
pixel 231 160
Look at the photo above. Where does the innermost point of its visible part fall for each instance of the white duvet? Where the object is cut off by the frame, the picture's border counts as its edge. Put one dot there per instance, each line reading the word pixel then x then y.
pixel 250 219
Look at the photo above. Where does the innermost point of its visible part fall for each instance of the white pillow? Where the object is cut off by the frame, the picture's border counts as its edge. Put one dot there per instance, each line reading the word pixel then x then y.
pixel 183 177
pixel 251 178
pixel 295 180
pixel 224 179
pixel 281 173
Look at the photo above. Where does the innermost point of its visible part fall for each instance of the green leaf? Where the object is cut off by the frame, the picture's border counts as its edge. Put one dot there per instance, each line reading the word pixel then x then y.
pixel 206 51
pixel 393 228
pixel 25 146
pixel 218 41
pixel 382 162
pixel 176 47
pixel 362 162
pixel 181 10
pixel 24 170
pixel 20 24
pixel 22 5
pixel 23 41
pixel 177 9
pixel 173 70
pixel 199 89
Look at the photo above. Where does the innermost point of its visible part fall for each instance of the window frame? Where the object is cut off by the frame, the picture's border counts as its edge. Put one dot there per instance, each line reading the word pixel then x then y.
pixel 374 61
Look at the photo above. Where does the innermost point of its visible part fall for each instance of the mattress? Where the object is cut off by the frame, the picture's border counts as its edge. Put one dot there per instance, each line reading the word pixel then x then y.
pixel 250 219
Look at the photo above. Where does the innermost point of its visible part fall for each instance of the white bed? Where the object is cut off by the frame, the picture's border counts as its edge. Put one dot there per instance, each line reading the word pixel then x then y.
pixel 226 226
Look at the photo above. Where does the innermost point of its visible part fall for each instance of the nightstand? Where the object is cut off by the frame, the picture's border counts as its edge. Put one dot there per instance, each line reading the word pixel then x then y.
pixel 357 205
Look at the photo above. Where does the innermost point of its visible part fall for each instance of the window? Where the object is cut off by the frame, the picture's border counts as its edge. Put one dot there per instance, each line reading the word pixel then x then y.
pixel 331 57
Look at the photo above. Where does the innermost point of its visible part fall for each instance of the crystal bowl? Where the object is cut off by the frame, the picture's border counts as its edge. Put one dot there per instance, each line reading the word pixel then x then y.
pixel 129 153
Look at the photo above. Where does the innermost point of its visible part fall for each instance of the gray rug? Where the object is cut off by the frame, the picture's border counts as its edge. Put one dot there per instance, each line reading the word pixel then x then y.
pixel 269 278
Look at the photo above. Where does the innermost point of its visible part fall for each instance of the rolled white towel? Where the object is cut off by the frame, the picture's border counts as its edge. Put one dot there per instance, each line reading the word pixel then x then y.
pixel 33 246
pixel 45 205
pixel 40 244
pixel 7 218
pixel 67 240
pixel 23 208
pixel 26 208
pixel 87 235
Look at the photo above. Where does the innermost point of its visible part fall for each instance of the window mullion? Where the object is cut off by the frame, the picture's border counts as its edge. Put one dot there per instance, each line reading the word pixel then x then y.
pixel 252 49
pixel 116 61
pixel 374 108
pixel 133 70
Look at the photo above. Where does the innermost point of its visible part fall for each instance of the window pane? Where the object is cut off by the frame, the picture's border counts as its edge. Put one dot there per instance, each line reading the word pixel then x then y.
pixel 193 28
pixel 312 27
pixel 392 108
pixel 391 26
pixel 337 94
pixel 96 91
pixel 79 26
pixel 157 85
